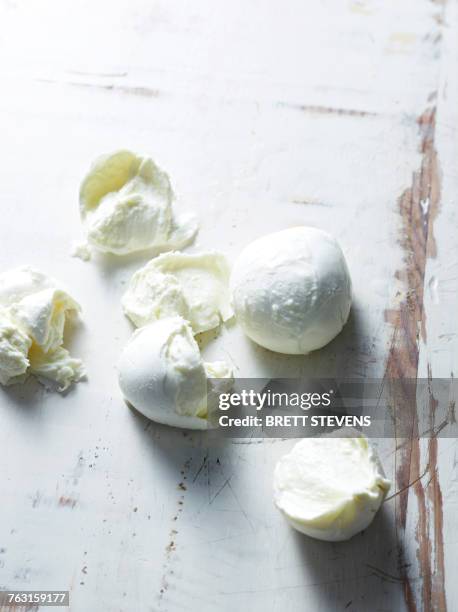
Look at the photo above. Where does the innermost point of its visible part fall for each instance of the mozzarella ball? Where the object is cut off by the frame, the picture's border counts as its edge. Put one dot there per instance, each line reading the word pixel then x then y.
pixel 291 290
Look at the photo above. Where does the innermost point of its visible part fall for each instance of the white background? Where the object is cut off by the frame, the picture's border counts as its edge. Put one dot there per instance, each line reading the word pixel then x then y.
pixel 266 115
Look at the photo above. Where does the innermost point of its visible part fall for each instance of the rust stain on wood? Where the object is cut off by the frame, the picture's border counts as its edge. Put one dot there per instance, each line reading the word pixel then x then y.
pixel 429 529
pixel 434 495
pixel 424 551
pixel 418 206
pixel 330 110
pixel 68 502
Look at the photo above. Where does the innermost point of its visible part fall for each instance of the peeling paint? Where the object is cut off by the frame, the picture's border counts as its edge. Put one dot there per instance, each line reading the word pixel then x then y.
pixel 418 206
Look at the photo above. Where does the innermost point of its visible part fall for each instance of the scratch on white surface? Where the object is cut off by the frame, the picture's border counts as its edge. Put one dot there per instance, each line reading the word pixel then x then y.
pixel 134 90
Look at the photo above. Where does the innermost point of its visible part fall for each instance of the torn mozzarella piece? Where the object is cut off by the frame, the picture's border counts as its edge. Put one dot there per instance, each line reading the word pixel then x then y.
pixel 14 349
pixel 126 206
pixel 33 314
pixel 163 376
pixel 330 488
pixel 81 250
pixel 193 286
pixel 57 366
pixel 42 316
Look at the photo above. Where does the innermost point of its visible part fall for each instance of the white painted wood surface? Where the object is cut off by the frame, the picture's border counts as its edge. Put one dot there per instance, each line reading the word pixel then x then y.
pixel 266 115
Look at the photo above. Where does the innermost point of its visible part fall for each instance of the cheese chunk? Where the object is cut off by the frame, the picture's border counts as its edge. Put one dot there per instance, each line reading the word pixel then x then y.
pixel 193 286
pixel 126 206
pixel 330 488
pixel 33 314
pixel 163 376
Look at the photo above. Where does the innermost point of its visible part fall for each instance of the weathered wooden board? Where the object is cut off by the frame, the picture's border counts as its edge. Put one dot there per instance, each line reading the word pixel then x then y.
pixel 339 114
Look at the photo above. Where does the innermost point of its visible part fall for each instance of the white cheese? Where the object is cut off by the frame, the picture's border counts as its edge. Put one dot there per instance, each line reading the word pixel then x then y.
pixel 126 206
pixel 81 250
pixel 163 376
pixel 33 313
pixel 330 488
pixel 291 290
pixel 193 286
pixel 14 349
